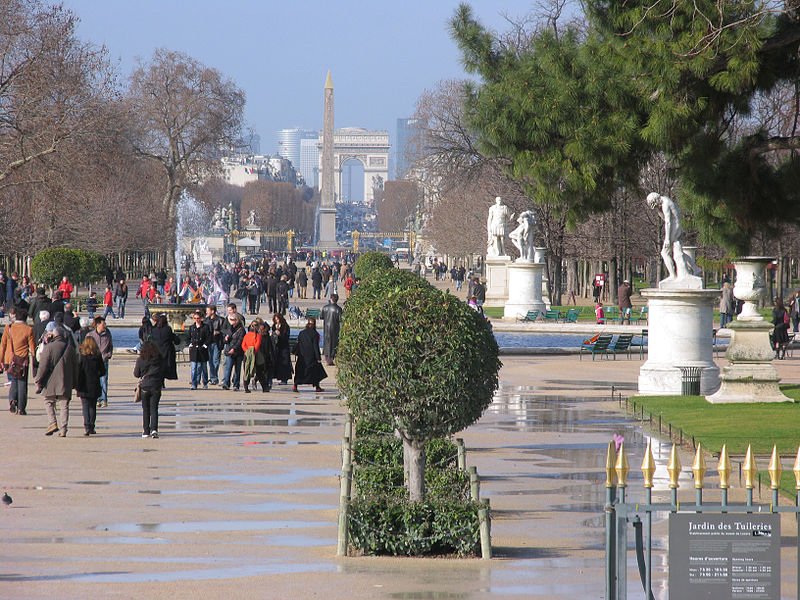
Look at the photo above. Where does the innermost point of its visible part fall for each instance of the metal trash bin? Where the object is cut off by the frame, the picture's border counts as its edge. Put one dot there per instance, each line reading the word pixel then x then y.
pixel 690 381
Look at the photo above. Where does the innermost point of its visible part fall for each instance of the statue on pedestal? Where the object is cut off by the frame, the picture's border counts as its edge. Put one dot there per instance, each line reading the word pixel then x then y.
pixel 499 215
pixel 231 217
pixel 522 236
pixel 251 218
pixel 679 264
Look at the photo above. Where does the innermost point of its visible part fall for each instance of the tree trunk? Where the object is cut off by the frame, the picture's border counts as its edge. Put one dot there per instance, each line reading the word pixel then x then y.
pixel 414 454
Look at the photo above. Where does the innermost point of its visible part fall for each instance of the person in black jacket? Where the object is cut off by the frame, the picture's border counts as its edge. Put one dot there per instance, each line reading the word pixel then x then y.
pixel 150 370
pixel 281 356
pixel 199 342
pixel 309 367
pixel 234 356
pixel 90 369
pixel 164 339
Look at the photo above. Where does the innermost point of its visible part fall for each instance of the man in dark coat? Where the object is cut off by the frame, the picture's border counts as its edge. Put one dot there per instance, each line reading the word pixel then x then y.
pixel 624 293
pixel 308 368
pixel 331 315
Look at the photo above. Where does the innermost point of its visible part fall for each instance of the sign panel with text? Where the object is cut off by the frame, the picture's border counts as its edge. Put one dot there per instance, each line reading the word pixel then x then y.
pixel 724 556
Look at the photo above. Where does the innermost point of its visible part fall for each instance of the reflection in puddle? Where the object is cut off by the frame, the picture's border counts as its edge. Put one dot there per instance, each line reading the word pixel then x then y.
pixel 299 541
pixel 187 575
pixel 85 540
pixel 195 526
pixel 274 478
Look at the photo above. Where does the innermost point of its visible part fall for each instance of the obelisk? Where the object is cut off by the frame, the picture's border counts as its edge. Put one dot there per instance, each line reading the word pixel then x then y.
pixel 327 208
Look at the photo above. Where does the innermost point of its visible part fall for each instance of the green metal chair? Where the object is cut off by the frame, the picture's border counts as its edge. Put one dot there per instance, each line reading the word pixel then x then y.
pixel 599 346
pixel 622 344
pixel 529 317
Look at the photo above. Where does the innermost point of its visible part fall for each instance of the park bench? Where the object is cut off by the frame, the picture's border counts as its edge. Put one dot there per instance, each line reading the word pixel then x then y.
pixel 622 345
pixel 598 346
pixel 552 316
pixel 572 315
pixel 529 317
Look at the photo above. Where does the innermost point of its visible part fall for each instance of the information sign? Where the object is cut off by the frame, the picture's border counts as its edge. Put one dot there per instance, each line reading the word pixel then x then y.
pixel 724 557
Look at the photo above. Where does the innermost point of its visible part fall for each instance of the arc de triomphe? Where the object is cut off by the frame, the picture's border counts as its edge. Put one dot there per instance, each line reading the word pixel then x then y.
pixel 370 148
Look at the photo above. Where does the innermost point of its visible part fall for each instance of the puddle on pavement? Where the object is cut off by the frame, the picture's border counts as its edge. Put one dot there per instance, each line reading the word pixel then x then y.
pixel 299 541
pixel 208 526
pixel 275 478
pixel 92 482
pixel 185 575
pixel 85 540
pixel 258 507
pixel 181 425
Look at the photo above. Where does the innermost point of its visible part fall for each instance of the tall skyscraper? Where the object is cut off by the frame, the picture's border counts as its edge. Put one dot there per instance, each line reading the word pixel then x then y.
pixel 289 143
pixel 408 131
pixel 309 161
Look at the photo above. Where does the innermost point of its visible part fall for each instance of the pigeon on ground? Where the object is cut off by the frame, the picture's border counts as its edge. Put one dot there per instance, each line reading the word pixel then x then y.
pixel 7 499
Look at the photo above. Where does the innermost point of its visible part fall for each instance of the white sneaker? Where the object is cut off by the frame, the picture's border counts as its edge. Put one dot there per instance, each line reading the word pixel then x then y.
pixel 145 435
pixel 154 435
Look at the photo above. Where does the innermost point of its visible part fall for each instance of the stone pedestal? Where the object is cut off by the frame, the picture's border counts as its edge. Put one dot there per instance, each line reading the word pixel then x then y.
pixel 750 376
pixel 540 256
pixel 497 280
pixel 524 289
pixel 327 228
pixel 679 335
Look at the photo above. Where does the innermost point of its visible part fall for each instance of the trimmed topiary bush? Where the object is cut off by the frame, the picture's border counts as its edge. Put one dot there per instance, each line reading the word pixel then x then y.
pixel 370 262
pixel 417 358
pixel 398 527
pixel 51 264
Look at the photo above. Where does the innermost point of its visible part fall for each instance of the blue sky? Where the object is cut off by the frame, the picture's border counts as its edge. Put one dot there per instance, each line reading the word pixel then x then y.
pixel 382 54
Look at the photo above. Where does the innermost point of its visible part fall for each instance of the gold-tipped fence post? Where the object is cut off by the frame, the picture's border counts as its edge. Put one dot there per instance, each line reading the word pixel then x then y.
pixel 611 480
pixel 674 471
pixel 621 469
pixel 774 469
pixel 724 470
pixel 648 472
pixel 750 470
pixel 699 471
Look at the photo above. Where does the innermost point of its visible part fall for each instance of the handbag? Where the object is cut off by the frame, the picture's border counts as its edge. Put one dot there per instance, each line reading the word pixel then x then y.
pixel 137 392
pixel 18 369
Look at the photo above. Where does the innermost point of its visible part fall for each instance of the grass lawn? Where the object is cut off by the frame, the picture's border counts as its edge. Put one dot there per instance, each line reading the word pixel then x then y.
pixel 737 425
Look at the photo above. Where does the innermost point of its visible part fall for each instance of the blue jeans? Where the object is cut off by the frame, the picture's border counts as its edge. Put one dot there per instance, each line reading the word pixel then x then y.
pixel 109 309
pixel 121 307
pixel 104 385
pixel 724 319
pixel 233 364
pixel 18 392
pixel 214 352
pixel 198 371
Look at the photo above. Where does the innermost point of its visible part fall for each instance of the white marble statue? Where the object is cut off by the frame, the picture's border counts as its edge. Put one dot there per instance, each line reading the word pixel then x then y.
pixel 216 218
pixel 251 219
pixel 522 236
pixel 680 266
pixel 496 228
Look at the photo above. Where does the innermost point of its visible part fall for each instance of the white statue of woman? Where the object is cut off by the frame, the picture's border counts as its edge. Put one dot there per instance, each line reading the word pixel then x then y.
pixel 522 236
pixel 499 215
pixel 679 264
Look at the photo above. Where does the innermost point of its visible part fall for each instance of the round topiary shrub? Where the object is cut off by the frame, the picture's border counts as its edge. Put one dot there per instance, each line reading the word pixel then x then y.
pixel 51 264
pixel 370 262
pixel 418 358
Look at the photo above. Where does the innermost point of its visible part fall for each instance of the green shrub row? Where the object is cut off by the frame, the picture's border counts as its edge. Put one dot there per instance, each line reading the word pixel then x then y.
pixel 80 266
pixel 397 527
pixel 378 481
pixel 371 262
pixel 387 450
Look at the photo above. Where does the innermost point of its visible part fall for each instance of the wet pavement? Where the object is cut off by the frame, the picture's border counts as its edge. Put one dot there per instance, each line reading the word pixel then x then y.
pixel 239 496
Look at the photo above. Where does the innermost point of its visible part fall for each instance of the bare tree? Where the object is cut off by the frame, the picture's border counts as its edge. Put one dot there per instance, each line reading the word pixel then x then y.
pixel 51 85
pixel 186 114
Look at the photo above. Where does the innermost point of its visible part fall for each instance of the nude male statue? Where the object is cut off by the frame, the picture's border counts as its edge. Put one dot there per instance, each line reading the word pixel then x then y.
pixel 678 263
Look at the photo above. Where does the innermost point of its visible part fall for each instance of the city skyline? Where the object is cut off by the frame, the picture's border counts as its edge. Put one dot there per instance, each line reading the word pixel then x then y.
pixel 382 56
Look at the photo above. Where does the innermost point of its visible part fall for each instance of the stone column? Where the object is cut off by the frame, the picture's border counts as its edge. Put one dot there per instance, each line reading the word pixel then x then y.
pixel 326 237
pixel 496 280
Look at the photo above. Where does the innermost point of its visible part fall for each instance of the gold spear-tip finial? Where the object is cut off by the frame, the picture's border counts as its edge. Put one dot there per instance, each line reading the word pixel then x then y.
pixel 774 469
pixel 724 468
pixel 648 465
pixel 329 81
pixel 622 468
pixel 699 467
pixel 611 461
pixel 796 470
pixel 749 468
pixel 674 467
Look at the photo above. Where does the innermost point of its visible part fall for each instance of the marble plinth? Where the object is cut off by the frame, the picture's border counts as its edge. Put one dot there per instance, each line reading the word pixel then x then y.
pixel 327 228
pixel 680 333
pixel 750 375
pixel 497 280
pixel 524 289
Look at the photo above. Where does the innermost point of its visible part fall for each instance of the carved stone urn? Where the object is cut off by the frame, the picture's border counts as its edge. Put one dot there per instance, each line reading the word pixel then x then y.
pixel 750 284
